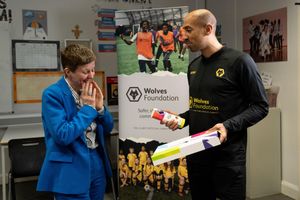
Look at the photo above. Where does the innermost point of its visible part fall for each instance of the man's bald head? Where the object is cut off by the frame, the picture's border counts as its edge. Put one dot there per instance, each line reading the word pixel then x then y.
pixel 199 32
pixel 202 17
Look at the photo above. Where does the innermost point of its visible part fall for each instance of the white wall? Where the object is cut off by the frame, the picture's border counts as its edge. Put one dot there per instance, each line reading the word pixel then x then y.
pixel 225 14
pixel 6 104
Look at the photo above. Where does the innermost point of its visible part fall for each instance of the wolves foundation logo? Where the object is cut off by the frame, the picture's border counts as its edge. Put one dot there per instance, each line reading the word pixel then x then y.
pixel 134 94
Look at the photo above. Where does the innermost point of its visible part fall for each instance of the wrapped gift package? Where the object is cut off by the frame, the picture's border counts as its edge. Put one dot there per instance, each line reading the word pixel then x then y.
pixel 185 146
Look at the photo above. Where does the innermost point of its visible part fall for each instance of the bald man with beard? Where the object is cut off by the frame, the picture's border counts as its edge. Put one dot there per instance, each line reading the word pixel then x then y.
pixel 226 95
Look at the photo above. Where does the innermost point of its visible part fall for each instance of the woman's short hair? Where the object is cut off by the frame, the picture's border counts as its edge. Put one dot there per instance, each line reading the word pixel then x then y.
pixel 75 55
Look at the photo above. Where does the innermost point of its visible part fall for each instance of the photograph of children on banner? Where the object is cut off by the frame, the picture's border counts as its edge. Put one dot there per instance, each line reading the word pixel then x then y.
pixel 265 36
pixel 148 40
pixel 138 177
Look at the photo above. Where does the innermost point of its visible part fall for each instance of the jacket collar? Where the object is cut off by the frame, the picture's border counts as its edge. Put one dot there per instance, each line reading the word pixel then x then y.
pixel 64 86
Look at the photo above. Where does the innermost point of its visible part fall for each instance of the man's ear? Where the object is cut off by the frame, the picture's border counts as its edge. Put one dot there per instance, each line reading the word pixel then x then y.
pixel 208 29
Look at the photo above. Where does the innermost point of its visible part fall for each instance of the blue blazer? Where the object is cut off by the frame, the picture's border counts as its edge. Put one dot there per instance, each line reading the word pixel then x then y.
pixel 66 165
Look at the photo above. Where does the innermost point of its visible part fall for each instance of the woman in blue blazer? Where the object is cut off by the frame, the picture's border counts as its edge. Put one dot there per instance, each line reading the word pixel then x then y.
pixel 75 122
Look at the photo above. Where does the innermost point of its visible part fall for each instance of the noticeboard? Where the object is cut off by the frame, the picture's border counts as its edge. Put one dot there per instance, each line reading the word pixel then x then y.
pixel 28 86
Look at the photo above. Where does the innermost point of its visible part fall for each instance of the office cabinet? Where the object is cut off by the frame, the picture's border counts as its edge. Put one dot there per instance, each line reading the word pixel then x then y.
pixel 264 156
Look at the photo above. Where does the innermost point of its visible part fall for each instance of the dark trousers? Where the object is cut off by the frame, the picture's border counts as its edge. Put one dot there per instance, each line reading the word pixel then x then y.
pixel 142 64
pixel 208 182
pixel 158 54
pixel 166 60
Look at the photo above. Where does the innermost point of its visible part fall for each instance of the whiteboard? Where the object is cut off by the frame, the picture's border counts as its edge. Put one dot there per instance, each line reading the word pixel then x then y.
pixel 6 102
pixel 35 55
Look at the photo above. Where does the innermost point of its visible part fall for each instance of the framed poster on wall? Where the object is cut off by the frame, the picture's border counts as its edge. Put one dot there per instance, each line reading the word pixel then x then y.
pixel 265 36
pixel 112 90
pixel 84 42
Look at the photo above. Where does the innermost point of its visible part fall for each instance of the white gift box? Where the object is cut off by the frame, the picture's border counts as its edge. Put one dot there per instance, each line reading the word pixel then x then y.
pixel 185 146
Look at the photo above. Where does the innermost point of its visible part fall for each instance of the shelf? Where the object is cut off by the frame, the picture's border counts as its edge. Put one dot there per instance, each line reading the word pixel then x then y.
pixel 19 119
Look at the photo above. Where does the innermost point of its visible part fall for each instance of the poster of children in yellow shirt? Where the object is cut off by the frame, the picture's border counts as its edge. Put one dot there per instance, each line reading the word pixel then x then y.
pixel 139 178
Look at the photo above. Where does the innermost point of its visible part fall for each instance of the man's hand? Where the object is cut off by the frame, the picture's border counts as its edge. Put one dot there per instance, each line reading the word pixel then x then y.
pixel 222 130
pixel 99 96
pixel 172 124
pixel 88 94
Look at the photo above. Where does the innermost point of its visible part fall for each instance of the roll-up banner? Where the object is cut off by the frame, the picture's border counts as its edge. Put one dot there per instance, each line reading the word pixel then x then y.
pixel 152 65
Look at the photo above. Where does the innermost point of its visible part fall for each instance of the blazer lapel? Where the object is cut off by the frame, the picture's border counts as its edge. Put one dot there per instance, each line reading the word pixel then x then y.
pixel 70 103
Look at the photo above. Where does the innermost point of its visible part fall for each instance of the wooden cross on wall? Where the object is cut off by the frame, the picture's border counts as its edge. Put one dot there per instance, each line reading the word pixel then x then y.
pixel 76 31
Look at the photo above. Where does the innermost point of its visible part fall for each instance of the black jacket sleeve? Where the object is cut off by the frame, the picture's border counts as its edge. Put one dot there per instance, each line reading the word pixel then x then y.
pixel 254 92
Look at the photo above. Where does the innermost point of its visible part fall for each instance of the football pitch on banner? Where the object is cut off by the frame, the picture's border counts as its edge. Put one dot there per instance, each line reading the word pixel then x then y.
pixel 128 63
